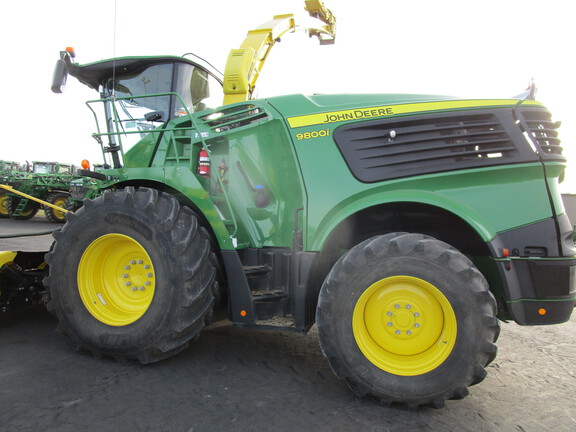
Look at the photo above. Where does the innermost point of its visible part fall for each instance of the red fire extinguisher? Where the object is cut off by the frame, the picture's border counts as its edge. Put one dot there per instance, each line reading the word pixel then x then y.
pixel 203 163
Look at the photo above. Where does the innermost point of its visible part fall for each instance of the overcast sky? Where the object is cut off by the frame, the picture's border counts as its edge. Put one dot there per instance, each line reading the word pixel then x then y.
pixel 486 49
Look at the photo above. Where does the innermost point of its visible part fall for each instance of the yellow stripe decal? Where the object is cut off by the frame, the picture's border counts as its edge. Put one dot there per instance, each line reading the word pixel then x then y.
pixel 389 110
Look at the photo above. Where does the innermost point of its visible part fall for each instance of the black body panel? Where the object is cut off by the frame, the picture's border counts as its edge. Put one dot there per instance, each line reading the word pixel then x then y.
pixel 408 146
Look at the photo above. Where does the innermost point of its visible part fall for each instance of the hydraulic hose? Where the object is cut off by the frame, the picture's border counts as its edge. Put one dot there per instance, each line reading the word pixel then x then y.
pixel 7 236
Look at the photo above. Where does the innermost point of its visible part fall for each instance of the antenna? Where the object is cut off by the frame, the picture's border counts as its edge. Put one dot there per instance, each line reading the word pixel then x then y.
pixel 114 55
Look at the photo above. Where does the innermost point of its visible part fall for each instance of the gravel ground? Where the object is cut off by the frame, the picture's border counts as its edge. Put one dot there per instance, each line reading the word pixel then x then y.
pixel 257 380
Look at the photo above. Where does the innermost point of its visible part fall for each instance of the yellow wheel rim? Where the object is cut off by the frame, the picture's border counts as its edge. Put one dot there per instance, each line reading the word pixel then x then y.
pixel 3 205
pixel 116 279
pixel 59 202
pixel 404 325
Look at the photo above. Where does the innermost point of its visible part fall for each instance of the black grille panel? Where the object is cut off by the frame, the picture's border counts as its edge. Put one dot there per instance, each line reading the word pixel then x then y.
pixel 544 132
pixel 388 149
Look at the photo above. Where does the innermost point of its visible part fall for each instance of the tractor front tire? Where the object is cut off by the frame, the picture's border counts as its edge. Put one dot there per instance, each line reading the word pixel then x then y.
pixel 58 199
pixel 406 318
pixel 132 276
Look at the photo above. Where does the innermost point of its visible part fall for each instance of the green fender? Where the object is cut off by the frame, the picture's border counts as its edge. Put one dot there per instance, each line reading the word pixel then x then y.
pixel 355 204
pixel 182 184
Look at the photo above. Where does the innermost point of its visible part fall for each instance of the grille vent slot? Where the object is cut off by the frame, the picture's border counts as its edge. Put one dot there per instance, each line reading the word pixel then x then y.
pixel 235 117
pixel 544 131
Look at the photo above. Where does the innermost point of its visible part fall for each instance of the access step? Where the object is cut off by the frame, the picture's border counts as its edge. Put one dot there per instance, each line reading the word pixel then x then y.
pixel 268 296
pixel 257 271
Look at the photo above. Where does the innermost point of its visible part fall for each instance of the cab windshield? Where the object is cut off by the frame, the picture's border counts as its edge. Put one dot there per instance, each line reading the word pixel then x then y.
pixel 42 168
pixel 140 101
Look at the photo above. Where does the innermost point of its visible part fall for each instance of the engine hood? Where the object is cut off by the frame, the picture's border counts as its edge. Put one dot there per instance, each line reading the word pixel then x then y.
pixel 302 111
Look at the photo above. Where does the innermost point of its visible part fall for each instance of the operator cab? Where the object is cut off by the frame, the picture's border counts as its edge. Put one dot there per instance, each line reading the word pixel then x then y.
pixel 51 168
pixel 140 95
pixel 143 88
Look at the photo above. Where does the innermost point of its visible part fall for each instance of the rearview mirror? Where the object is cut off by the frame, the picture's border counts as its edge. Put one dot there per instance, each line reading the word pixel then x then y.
pixel 154 116
pixel 59 77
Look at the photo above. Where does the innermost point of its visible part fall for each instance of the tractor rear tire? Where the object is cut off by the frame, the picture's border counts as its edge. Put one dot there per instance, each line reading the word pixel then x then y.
pixel 406 318
pixel 59 199
pixel 29 212
pixel 131 276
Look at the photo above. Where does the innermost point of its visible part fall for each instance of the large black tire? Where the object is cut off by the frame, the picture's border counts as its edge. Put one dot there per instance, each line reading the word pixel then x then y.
pixel 59 199
pixel 407 319
pixel 131 276
pixel 29 211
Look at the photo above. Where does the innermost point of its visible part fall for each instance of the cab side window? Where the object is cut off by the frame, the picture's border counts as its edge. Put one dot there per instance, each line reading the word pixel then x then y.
pixel 198 89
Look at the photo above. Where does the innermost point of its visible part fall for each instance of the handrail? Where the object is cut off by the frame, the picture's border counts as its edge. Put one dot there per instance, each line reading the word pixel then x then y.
pixel 218 179
pixel 195 126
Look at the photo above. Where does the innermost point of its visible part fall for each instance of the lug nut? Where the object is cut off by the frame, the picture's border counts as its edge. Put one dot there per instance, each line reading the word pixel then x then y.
pixel 127 267
pixel 128 283
pixel 125 275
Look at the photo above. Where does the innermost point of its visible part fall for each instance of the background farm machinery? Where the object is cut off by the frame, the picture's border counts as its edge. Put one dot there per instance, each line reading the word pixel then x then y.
pixel 52 182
